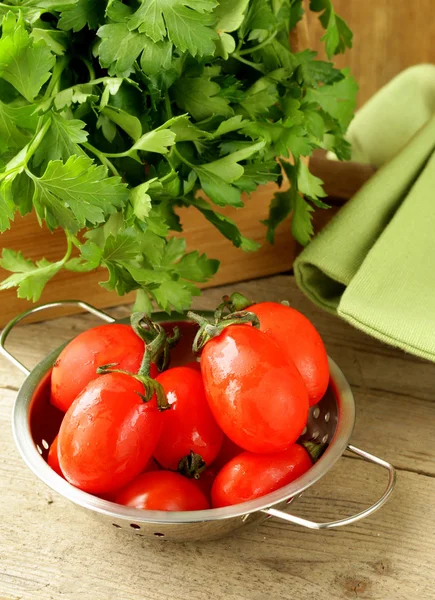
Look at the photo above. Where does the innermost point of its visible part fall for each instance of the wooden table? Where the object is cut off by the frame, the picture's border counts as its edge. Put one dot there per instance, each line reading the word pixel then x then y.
pixel 49 550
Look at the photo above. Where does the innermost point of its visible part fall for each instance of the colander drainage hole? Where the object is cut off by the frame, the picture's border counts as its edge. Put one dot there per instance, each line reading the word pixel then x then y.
pixel 116 525
pixel 134 526
pixel 159 534
pixel 316 412
pixel 45 444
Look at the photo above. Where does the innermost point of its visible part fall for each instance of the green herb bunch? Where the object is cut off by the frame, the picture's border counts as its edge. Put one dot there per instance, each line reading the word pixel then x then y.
pixel 113 113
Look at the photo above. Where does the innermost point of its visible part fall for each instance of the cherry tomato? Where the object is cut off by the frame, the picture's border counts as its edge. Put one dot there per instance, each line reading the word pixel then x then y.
pixel 206 480
pixel 194 364
pixel 299 341
pixel 188 426
pixel 228 451
pixel 108 434
pixel 257 397
pixel 249 476
pixel 163 490
pixel 77 364
pixel 52 458
pixel 152 465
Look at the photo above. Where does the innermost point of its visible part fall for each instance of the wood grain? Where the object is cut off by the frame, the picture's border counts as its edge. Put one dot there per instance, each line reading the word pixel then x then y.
pixel 50 550
pixel 388 38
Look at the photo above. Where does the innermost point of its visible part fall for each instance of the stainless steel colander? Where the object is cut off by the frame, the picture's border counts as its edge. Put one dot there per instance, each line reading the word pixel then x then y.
pixel 36 421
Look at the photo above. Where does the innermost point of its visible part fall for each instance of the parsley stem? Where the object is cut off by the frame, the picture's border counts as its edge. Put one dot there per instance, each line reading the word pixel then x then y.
pixel 259 46
pixel 103 158
pixel 89 67
pixel 181 157
pixel 251 64
pixel 168 108
pixel 57 72
pixel 20 161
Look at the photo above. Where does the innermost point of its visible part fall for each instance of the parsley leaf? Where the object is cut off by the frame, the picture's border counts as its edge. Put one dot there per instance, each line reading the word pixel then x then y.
pixel 338 99
pixel 309 184
pixel 14 121
pixel 7 207
pixel 82 13
pixel 187 23
pixel 75 193
pixel 61 140
pixel 225 225
pixel 302 228
pixel 29 277
pixel 200 97
pixel 24 64
pixel 119 48
pixel 338 36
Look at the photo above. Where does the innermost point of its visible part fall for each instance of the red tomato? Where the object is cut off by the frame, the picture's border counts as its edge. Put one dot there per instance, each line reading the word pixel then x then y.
pixel 108 434
pixel 194 364
pixel 257 397
pixel 163 490
pixel 299 341
pixel 151 465
pixel 189 424
pixel 77 364
pixel 228 451
pixel 250 476
pixel 52 458
pixel 206 480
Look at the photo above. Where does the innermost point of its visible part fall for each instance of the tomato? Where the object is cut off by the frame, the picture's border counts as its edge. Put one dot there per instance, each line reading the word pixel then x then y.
pixel 52 458
pixel 77 364
pixel 151 465
pixel 163 490
pixel 299 341
pixel 108 434
pixel 228 451
pixel 188 426
pixel 249 476
pixel 206 480
pixel 194 364
pixel 257 397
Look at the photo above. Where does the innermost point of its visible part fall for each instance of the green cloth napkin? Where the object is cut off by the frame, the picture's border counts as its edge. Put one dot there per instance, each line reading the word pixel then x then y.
pixel 374 264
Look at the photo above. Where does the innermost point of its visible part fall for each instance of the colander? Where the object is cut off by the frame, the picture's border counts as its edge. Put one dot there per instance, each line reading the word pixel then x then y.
pixel 35 423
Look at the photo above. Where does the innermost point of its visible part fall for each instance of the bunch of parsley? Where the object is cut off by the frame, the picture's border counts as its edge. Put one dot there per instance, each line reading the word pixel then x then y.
pixel 113 113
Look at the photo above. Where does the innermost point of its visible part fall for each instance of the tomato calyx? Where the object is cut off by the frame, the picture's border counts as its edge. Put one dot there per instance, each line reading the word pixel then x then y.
pixel 151 385
pixel 235 302
pixel 158 342
pixel 192 465
pixel 314 449
pixel 210 328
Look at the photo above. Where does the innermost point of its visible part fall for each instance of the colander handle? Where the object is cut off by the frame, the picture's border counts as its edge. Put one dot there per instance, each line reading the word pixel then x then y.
pixel 273 512
pixel 6 331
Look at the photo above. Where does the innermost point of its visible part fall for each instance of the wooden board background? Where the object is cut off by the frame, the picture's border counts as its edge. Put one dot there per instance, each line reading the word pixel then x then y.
pixel 389 35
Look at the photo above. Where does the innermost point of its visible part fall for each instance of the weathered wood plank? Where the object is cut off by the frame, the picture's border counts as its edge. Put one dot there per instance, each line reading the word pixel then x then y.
pixel 51 550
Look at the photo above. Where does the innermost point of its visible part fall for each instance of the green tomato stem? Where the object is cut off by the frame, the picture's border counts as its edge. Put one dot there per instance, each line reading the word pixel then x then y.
pixel 209 329
pixel 192 465
pixel 151 386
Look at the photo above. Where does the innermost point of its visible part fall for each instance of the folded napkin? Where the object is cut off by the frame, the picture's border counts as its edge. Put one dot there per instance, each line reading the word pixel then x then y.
pixel 374 264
